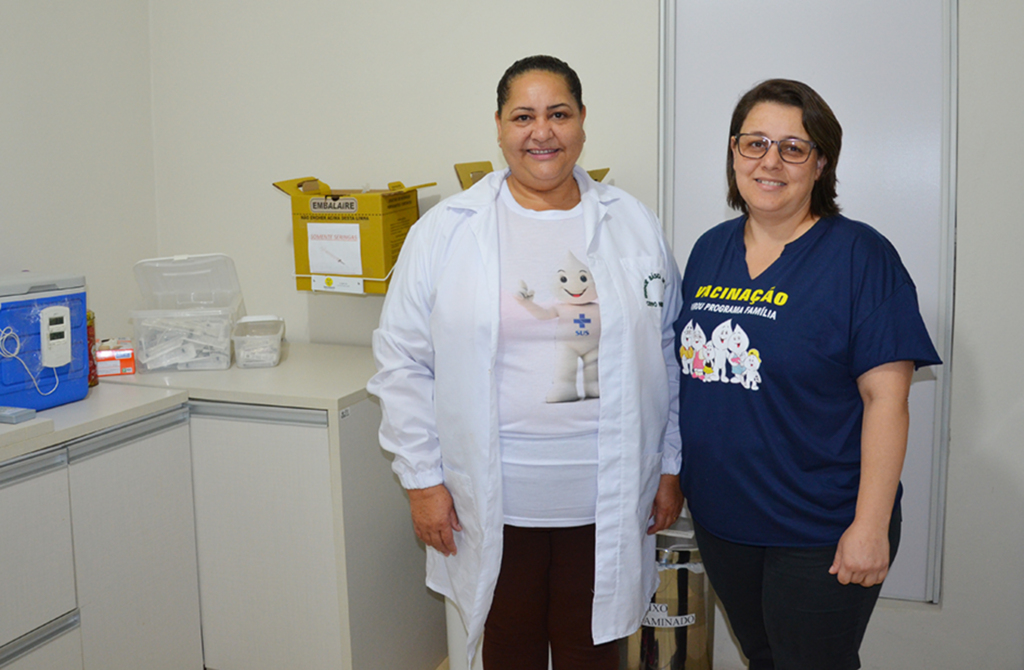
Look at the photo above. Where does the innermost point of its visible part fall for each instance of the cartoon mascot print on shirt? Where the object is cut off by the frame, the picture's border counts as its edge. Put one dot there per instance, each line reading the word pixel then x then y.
pixel 578 330
pixel 738 343
pixel 686 351
pixel 711 360
pixel 719 351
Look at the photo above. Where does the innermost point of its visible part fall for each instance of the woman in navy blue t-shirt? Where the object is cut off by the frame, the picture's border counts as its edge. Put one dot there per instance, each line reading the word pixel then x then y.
pixel 798 338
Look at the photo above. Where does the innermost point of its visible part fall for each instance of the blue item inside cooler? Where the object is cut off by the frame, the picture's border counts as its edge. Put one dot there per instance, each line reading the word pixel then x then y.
pixel 24 381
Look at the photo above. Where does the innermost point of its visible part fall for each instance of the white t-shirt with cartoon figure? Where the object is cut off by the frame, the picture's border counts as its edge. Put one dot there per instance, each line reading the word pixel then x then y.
pixel 547 367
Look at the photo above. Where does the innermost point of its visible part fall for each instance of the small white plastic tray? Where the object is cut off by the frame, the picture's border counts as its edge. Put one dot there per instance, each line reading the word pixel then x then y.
pixel 258 341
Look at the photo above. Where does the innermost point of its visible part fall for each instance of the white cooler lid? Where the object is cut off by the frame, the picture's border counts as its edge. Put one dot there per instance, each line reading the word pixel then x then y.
pixel 27 283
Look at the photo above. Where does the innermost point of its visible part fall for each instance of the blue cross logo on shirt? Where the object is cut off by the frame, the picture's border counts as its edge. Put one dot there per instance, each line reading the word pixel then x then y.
pixel 581 321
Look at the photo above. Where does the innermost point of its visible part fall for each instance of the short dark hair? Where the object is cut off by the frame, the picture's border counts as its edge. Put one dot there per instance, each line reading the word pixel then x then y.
pixel 819 122
pixel 546 64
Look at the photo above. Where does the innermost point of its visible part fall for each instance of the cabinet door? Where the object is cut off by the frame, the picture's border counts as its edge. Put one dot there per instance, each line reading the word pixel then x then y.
pixel 37 575
pixel 134 534
pixel 395 621
pixel 54 646
pixel 64 653
pixel 265 535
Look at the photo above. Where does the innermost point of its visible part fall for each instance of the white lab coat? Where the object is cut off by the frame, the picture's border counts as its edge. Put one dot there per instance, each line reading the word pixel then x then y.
pixel 435 351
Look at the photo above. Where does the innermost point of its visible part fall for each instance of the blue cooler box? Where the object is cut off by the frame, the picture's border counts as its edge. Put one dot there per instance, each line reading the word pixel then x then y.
pixel 44 348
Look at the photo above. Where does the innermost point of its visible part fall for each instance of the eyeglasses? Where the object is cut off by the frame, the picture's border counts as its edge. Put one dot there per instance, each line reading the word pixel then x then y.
pixel 791 151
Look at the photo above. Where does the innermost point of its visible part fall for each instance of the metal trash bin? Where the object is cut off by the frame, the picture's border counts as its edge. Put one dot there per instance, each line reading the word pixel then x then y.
pixel 678 629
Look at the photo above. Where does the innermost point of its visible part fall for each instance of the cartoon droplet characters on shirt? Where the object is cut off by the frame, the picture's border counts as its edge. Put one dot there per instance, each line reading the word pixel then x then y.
pixel 699 340
pixel 720 351
pixel 577 333
pixel 751 364
pixel 727 351
pixel 686 348
pixel 737 346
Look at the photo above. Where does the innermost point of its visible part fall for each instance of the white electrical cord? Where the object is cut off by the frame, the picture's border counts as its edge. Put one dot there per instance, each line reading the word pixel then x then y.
pixel 9 334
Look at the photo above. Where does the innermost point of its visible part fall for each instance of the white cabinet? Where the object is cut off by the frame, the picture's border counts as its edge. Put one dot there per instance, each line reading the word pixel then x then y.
pixel 134 545
pixel 265 532
pixel 394 620
pixel 307 556
pixel 38 619
pixel 54 646
pixel 80 535
pixel 37 578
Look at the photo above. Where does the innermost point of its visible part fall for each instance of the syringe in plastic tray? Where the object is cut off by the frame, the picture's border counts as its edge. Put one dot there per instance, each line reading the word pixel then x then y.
pixel 187 344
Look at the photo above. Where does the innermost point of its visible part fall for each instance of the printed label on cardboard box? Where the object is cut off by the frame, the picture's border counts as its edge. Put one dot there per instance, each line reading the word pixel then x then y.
pixel 337 284
pixel 334 248
pixel 657 616
pixel 333 205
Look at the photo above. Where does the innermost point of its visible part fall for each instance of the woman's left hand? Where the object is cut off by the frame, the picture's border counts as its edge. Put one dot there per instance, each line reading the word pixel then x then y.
pixel 862 556
pixel 668 504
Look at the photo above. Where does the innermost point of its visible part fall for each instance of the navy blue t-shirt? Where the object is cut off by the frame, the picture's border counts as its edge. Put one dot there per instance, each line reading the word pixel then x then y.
pixel 770 413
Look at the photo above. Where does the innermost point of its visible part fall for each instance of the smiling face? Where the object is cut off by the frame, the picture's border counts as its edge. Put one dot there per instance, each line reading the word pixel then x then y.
pixel 738 342
pixel 573 283
pixel 686 337
pixel 773 189
pixel 540 131
pixel 721 334
pixel 699 338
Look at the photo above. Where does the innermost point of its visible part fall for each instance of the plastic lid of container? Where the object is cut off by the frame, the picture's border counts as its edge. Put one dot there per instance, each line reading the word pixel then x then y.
pixel 27 283
pixel 196 280
pixel 261 317
pixel 258 326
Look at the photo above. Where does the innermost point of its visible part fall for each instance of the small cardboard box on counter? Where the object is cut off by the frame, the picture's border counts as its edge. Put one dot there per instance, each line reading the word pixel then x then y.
pixel 347 241
pixel 115 357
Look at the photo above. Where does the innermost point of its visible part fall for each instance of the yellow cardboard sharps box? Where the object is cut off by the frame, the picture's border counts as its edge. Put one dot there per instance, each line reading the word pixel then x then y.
pixel 347 241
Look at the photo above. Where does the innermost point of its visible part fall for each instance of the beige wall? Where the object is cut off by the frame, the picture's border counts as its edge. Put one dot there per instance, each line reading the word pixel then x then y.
pixel 361 94
pixel 127 133
pixel 76 151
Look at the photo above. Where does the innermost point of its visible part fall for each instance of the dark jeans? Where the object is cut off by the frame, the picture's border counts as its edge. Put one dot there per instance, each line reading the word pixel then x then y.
pixel 785 608
pixel 545 594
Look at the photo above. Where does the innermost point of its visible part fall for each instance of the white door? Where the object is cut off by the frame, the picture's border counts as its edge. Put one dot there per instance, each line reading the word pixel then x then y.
pixel 885 70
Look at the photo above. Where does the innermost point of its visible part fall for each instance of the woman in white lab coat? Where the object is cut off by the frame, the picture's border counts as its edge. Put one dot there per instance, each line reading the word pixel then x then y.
pixel 526 377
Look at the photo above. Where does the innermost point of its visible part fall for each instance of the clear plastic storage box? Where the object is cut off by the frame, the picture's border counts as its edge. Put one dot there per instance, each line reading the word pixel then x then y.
pixel 190 304
pixel 258 341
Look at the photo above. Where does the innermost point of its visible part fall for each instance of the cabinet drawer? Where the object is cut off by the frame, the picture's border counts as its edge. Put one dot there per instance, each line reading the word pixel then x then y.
pixel 37 578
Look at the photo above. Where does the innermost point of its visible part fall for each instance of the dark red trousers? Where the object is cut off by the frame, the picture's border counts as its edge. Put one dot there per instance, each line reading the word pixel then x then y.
pixel 545 595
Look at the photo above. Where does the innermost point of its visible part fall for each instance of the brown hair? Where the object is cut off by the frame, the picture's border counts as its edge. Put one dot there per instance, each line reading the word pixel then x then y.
pixel 819 122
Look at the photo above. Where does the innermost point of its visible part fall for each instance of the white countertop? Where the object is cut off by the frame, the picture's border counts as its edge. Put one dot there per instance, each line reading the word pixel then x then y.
pixel 105 406
pixel 314 376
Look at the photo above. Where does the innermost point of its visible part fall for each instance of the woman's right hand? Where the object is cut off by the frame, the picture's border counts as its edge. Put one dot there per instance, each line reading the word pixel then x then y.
pixel 434 517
